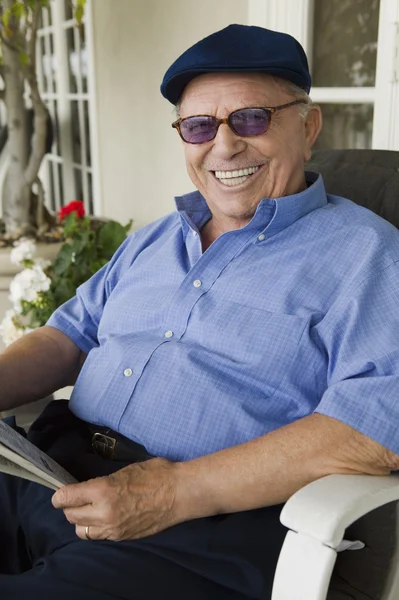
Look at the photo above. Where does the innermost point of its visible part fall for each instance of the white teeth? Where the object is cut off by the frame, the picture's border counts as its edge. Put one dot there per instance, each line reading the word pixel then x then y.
pixel 236 174
pixel 233 181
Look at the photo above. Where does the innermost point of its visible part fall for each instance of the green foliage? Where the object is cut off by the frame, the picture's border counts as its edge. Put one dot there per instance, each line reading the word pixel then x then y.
pixel 24 58
pixel 87 248
pixel 79 10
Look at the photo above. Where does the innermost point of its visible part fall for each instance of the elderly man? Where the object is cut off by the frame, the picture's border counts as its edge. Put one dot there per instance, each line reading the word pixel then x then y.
pixel 229 354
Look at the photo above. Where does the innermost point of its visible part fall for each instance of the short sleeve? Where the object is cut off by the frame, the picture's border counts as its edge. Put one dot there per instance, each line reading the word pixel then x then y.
pixel 361 338
pixel 79 318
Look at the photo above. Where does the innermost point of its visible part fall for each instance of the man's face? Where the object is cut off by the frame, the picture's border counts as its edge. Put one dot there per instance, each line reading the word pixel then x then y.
pixel 277 156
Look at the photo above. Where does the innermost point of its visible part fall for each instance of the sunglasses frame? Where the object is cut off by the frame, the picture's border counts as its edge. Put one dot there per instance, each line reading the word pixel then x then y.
pixel 269 109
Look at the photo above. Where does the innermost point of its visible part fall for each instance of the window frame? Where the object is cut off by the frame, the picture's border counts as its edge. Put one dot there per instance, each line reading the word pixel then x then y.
pixel 296 17
pixel 62 97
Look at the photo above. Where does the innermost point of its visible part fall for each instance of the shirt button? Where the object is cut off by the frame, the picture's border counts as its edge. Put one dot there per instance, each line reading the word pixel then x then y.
pixel 168 334
pixel 128 372
pixel 261 237
pixel 197 283
pixel 195 233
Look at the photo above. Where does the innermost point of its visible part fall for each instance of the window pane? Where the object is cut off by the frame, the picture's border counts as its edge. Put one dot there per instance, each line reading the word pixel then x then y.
pixel 346 126
pixel 83 57
pixel 75 130
pixel 345 42
pixel 90 185
pixel 60 183
pixel 48 62
pixel 87 131
pixel 78 184
pixel 68 10
pixel 72 62
pixel 51 199
pixel 53 110
pixel 57 131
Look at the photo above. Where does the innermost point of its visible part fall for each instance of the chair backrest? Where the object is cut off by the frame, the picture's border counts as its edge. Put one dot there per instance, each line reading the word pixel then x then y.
pixel 369 178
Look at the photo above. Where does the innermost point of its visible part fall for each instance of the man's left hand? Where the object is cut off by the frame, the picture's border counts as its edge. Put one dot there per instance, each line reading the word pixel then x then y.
pixel 137 501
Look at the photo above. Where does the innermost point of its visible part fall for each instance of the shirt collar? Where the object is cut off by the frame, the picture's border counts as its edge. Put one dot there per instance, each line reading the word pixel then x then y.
pixel 272 214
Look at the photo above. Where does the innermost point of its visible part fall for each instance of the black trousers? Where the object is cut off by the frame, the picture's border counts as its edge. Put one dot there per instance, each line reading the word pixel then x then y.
pixel 226 557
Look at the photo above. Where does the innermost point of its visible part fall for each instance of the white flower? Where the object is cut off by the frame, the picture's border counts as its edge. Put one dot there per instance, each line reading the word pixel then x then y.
pixel 24 249
pixel 27 284
pixel 42 262
pixel 11 328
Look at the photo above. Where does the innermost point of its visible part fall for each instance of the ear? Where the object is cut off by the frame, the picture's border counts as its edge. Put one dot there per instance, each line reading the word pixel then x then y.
pixel 313 126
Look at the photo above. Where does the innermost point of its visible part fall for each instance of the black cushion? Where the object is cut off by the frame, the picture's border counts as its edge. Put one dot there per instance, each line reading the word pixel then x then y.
pixel 368 177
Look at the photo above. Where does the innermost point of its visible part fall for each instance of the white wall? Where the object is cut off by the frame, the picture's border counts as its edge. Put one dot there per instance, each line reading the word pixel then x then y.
pixel 135 41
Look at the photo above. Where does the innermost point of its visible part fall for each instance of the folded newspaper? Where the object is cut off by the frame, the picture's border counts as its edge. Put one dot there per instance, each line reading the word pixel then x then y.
pixel 21 458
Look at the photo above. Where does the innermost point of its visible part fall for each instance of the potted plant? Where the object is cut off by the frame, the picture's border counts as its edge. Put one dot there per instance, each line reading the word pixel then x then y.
pixel 43 285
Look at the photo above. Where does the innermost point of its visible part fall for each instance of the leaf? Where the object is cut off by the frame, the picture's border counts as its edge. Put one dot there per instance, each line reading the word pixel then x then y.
pixel 18 10
pixel 70 224
pixel 81 242
pixel 63 260
pixel 128 226
pixel 64 291
pixel 79 10
pixel 6 17
pixel 24 58
pixel 110 236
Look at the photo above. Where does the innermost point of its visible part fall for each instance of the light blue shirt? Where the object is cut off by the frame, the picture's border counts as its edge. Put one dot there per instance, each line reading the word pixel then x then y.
pixel 192 352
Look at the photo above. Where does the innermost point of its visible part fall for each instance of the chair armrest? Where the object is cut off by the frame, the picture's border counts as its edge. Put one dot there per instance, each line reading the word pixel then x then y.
pixel 323 509
pixel 317 516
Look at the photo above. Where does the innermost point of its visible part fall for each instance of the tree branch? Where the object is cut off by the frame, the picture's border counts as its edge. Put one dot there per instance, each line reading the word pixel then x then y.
pixel 7 43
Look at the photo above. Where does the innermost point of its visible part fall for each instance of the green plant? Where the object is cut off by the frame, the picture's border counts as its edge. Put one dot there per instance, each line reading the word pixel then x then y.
pixel 42 286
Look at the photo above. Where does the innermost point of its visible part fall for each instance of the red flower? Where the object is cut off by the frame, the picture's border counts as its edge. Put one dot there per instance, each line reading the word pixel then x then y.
pixel 74 206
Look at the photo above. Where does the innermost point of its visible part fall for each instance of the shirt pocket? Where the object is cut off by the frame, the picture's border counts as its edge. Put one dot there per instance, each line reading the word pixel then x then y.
pixel 251 344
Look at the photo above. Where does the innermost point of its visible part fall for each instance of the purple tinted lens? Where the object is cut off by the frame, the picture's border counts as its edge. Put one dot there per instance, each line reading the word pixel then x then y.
pixel 197 130
pixel 249 121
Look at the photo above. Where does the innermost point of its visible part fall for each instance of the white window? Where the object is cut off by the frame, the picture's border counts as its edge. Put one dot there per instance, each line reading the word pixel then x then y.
pixel 353 54
pixel 66 76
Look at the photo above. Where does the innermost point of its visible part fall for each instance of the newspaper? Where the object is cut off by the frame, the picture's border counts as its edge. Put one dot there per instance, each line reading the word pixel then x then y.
pixel 21 458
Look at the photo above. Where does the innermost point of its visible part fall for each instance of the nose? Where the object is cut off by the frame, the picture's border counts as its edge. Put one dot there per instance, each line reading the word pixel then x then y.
pixel 226 143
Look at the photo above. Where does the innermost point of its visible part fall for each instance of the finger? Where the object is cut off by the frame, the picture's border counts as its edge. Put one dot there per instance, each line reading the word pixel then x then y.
pixel 88 514
pixel 94 532
pixel 77 494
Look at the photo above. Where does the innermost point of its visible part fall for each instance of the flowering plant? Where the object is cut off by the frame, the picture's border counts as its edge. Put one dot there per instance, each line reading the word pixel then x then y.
pixel 74 206
pixel 42 285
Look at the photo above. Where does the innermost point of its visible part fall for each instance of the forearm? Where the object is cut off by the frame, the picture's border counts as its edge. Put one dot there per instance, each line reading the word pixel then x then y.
pixel 37 365
pixel 268 470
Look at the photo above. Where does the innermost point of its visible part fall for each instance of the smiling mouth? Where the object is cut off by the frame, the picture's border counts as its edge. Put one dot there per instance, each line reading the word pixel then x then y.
pixel 232 178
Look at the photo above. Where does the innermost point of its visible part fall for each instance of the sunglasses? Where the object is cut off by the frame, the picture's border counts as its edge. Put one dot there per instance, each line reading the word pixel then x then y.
pixel 244 123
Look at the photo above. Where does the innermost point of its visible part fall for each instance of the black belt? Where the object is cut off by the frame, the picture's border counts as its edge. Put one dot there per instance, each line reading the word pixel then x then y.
pixel 111 445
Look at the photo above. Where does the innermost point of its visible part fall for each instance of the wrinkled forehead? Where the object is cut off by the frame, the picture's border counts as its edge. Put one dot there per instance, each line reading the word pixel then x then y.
pixel 213 92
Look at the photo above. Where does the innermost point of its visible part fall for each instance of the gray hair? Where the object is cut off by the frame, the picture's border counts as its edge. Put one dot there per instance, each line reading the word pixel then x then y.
pixel 289 88
pixel 297 93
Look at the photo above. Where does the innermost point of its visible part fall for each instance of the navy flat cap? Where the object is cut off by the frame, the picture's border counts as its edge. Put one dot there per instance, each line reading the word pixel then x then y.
pixel 239 48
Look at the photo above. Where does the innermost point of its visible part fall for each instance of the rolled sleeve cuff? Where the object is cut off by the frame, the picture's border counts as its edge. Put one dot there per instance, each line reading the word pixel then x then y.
pixel 376 418
pixel 59 322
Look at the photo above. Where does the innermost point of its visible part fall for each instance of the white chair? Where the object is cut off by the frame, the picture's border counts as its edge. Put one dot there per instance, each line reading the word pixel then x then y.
pixel 318 515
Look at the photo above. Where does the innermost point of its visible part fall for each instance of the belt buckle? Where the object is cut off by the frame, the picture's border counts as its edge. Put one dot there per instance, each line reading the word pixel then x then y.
pixel 104 445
